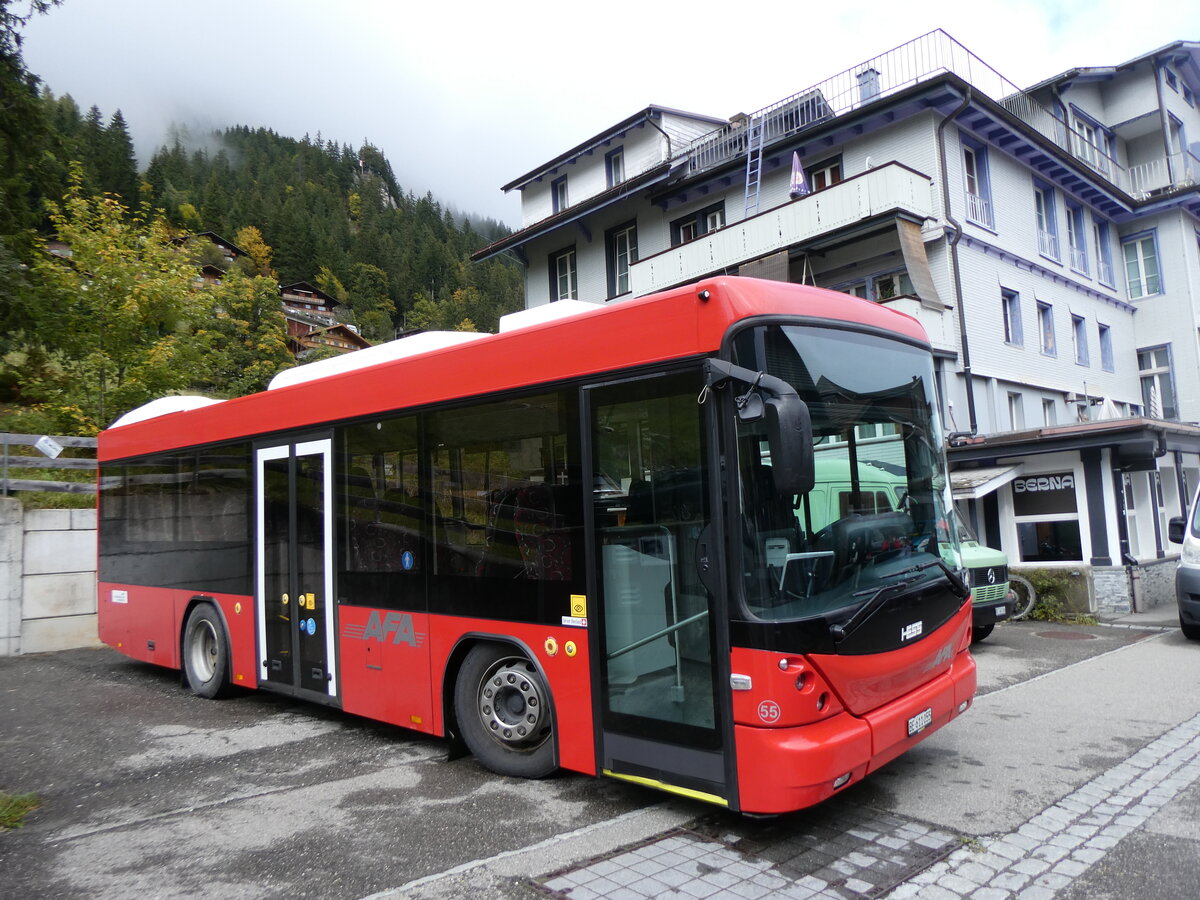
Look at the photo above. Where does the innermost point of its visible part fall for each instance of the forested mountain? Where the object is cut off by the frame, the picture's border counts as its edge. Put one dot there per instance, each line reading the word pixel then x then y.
pixel 118 318
pixel 336 216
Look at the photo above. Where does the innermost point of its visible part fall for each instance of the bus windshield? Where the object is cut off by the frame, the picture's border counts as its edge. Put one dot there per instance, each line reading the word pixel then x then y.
pixel 877 516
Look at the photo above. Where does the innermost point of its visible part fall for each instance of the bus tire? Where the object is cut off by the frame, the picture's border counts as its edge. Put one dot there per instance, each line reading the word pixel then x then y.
pixel 206 653
pixel 504 712
pixel 979 632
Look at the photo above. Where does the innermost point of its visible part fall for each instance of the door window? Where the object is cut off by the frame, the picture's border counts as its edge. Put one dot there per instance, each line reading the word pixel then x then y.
pixel 651 506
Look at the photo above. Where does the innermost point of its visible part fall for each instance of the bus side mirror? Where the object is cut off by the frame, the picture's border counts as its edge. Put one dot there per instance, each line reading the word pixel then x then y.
pixel 789 435
pixel 789 425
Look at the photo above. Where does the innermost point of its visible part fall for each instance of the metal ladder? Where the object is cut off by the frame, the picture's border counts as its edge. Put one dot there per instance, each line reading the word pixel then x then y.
pixel 754 148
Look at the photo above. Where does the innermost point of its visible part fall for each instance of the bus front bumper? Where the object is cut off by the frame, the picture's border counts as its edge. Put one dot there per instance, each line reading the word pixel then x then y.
pixel 785 769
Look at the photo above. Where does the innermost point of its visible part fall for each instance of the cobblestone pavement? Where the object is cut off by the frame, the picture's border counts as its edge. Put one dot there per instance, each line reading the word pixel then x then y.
pixel 840 854
pixel 844 849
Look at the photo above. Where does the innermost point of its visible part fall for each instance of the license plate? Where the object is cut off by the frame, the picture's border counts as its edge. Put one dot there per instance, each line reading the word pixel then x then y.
pixel 999 611
pixel 920 721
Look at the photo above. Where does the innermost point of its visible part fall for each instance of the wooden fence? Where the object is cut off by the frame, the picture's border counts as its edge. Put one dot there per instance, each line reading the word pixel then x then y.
pixel 8 462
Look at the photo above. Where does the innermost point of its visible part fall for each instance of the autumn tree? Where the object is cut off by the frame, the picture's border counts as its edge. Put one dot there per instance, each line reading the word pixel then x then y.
pixel 241 339
pixel 258 254
pixel 115 318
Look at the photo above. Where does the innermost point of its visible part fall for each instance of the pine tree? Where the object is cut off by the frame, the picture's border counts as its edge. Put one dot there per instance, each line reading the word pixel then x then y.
pixel 118 174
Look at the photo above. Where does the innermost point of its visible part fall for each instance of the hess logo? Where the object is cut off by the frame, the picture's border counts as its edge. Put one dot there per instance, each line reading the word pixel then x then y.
pixel 908 632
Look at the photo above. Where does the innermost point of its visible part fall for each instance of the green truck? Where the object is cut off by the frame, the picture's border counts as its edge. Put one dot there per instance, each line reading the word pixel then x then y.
pixel 881 487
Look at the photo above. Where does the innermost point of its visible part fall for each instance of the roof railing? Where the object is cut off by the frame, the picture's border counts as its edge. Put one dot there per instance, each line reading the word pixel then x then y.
pixel 927 57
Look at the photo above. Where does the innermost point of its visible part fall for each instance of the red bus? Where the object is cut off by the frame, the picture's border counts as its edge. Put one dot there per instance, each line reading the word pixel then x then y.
pixel 586 542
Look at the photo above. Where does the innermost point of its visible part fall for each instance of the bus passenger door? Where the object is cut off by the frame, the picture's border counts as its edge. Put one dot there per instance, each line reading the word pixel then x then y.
pixel 294 569
pixel 655 627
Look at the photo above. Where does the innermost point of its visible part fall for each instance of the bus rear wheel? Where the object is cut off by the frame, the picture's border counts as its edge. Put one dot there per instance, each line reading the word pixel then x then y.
pixel 206 653
pixel 503 709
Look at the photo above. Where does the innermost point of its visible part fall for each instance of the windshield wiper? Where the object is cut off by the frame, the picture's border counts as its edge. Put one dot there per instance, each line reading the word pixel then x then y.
pixel 960 587
pixel 839 631
pixel 843 629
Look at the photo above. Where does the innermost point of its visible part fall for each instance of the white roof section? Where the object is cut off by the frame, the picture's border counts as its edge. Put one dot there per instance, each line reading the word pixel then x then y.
pixel 971 484
pixel 413 345
pixel 163 406
pixel 545 312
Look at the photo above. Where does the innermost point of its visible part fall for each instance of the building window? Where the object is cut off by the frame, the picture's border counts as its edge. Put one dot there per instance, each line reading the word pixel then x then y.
pixel 1079 334
pixel 1106 351
pixel 885 286
pixel 1104 261
pixel 890 285
pixel 978 188
pixel 1016 411
pixel 693 225
pixel 825 173
pixel 1172 82
pixel 621 245
pixel 1076 239
pixel 614 166
pixel 1045 315
pixel 1049 412
pixel 1010 302
pixel 1090 142
pixel 1047 222
pixel 1141 266
pixel 1046 513
pixel 1158 388
pixel 564 281
pixel 558 193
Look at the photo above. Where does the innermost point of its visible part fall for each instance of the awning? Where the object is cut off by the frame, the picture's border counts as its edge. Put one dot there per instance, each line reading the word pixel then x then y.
pixel 971 484
pixel 912 247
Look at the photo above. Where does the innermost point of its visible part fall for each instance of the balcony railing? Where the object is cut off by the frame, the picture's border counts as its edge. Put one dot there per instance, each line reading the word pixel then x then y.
pixel 1177 170
pixel 880 190
pixel 1104 271
pixel 1079 260
pixel 929 56
pixel 1048 244
pixel 979 210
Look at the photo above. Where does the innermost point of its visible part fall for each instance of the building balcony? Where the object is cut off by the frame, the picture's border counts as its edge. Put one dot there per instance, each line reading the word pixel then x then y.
pixel 979 210
pixel 1048 244
pixel 930 56
pixel 1164 175
pixel 886 189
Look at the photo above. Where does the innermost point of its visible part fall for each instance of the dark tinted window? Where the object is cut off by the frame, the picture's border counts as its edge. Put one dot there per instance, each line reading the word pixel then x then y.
pixel 178 521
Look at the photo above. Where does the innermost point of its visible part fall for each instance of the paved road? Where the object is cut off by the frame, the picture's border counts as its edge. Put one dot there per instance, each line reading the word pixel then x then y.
pixel 151 792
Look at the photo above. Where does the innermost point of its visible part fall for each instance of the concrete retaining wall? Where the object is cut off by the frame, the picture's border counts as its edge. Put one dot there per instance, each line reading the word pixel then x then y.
pixel 47 578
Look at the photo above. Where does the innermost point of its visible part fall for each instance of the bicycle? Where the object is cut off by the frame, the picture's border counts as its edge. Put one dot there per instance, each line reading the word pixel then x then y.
pixel 1023 596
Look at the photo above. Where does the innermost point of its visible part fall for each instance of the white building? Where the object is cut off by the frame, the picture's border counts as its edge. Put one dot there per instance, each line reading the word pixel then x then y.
pixel 1048 239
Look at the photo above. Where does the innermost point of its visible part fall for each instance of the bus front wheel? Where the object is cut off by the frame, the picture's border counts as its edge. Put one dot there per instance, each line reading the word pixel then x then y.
pixel 206 653
pixel 503 711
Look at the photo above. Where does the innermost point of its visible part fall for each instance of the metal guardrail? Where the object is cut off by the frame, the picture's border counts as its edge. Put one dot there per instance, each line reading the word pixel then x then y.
pixel 64 463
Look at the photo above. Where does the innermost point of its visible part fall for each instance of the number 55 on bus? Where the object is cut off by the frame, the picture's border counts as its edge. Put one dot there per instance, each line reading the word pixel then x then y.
pixel 588 542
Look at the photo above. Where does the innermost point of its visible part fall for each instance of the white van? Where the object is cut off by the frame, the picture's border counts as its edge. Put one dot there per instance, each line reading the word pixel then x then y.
pixel 1186 531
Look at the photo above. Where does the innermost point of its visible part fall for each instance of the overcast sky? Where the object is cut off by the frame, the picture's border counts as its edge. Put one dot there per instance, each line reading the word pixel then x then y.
pixel 465 96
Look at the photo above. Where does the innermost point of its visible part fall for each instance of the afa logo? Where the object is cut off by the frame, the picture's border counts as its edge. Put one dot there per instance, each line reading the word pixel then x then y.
pixel 397 625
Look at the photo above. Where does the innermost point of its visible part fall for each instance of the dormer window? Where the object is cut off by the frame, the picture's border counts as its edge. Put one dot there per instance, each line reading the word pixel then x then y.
pixel 614 166
pixel 558 192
